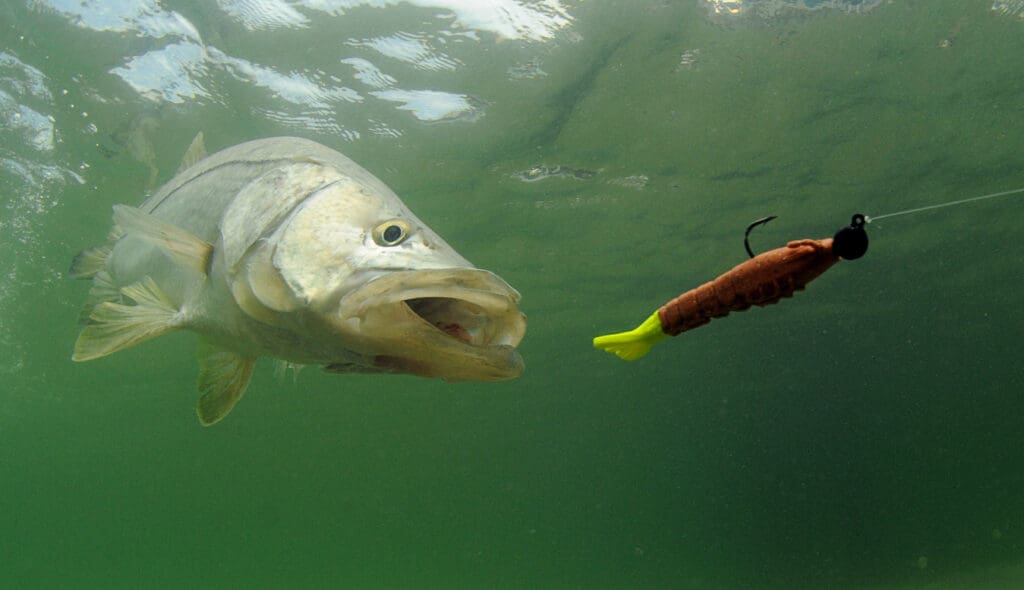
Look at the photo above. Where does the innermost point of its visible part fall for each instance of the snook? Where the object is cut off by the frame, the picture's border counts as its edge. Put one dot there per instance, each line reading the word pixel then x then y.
pixel 283 247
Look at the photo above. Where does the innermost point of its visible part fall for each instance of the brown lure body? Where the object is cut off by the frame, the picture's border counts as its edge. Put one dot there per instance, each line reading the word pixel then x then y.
pixel 762 280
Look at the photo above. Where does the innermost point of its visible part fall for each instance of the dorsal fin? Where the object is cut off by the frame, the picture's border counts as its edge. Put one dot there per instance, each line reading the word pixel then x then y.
pixel 196 151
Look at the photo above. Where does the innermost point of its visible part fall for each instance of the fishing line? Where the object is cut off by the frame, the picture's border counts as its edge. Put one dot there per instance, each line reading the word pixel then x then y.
pixel 869 219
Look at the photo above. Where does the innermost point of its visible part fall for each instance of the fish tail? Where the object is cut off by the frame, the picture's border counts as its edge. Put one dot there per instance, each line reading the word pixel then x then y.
pixel 635 343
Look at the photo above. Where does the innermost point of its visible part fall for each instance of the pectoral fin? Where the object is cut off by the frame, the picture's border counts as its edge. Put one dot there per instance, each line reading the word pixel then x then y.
pixel 266 282
pixel 223 378
pixel 259 289
pixel 116 326
pixel 184 248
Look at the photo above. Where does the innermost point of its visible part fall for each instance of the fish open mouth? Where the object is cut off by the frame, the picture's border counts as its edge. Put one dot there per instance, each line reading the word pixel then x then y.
pixel 462 320
pixel 458 324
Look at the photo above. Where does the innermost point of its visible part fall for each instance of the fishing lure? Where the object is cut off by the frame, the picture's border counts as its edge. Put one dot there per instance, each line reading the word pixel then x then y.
pixel 763 280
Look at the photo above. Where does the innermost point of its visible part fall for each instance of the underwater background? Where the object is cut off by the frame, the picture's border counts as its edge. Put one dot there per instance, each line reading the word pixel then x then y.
pixel 602 157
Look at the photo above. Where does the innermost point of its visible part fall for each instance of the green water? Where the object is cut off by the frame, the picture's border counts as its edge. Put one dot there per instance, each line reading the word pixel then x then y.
pixel 866 434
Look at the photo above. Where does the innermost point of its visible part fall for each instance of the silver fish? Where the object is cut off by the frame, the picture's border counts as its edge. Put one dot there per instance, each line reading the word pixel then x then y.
pixel 285 248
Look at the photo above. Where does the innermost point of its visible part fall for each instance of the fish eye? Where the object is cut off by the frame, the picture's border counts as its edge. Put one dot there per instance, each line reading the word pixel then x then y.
pixel 391 233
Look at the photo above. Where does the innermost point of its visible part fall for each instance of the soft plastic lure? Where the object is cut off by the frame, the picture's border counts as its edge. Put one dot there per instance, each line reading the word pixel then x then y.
pixel 762 280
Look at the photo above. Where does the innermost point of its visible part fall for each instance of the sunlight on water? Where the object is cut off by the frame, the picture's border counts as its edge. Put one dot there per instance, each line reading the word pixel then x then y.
pixel 186 68
pixel 776 7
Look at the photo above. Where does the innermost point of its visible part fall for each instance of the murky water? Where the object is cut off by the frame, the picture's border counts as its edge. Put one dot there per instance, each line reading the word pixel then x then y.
pixel 602 158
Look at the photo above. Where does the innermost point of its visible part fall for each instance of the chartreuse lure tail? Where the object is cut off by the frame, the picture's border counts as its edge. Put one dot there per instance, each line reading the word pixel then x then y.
pixel 635 343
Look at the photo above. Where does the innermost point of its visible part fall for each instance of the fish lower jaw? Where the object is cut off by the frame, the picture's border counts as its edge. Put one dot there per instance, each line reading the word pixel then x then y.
pixel 497 363
pixel 441 337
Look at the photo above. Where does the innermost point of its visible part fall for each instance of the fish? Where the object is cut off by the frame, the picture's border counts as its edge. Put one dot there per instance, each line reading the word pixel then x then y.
pixel 285 248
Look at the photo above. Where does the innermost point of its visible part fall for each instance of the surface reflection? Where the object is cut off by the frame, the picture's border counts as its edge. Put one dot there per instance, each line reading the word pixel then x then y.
pixel 182 66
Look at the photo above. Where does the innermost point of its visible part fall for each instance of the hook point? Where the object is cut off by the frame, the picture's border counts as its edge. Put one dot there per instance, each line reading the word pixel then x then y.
pixel 746 235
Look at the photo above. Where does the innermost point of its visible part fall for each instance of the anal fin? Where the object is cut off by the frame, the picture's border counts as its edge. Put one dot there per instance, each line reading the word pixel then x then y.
pixel 116 326
pixel 223 378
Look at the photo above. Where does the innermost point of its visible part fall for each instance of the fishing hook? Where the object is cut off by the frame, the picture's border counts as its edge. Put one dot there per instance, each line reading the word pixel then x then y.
pixel 746 235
